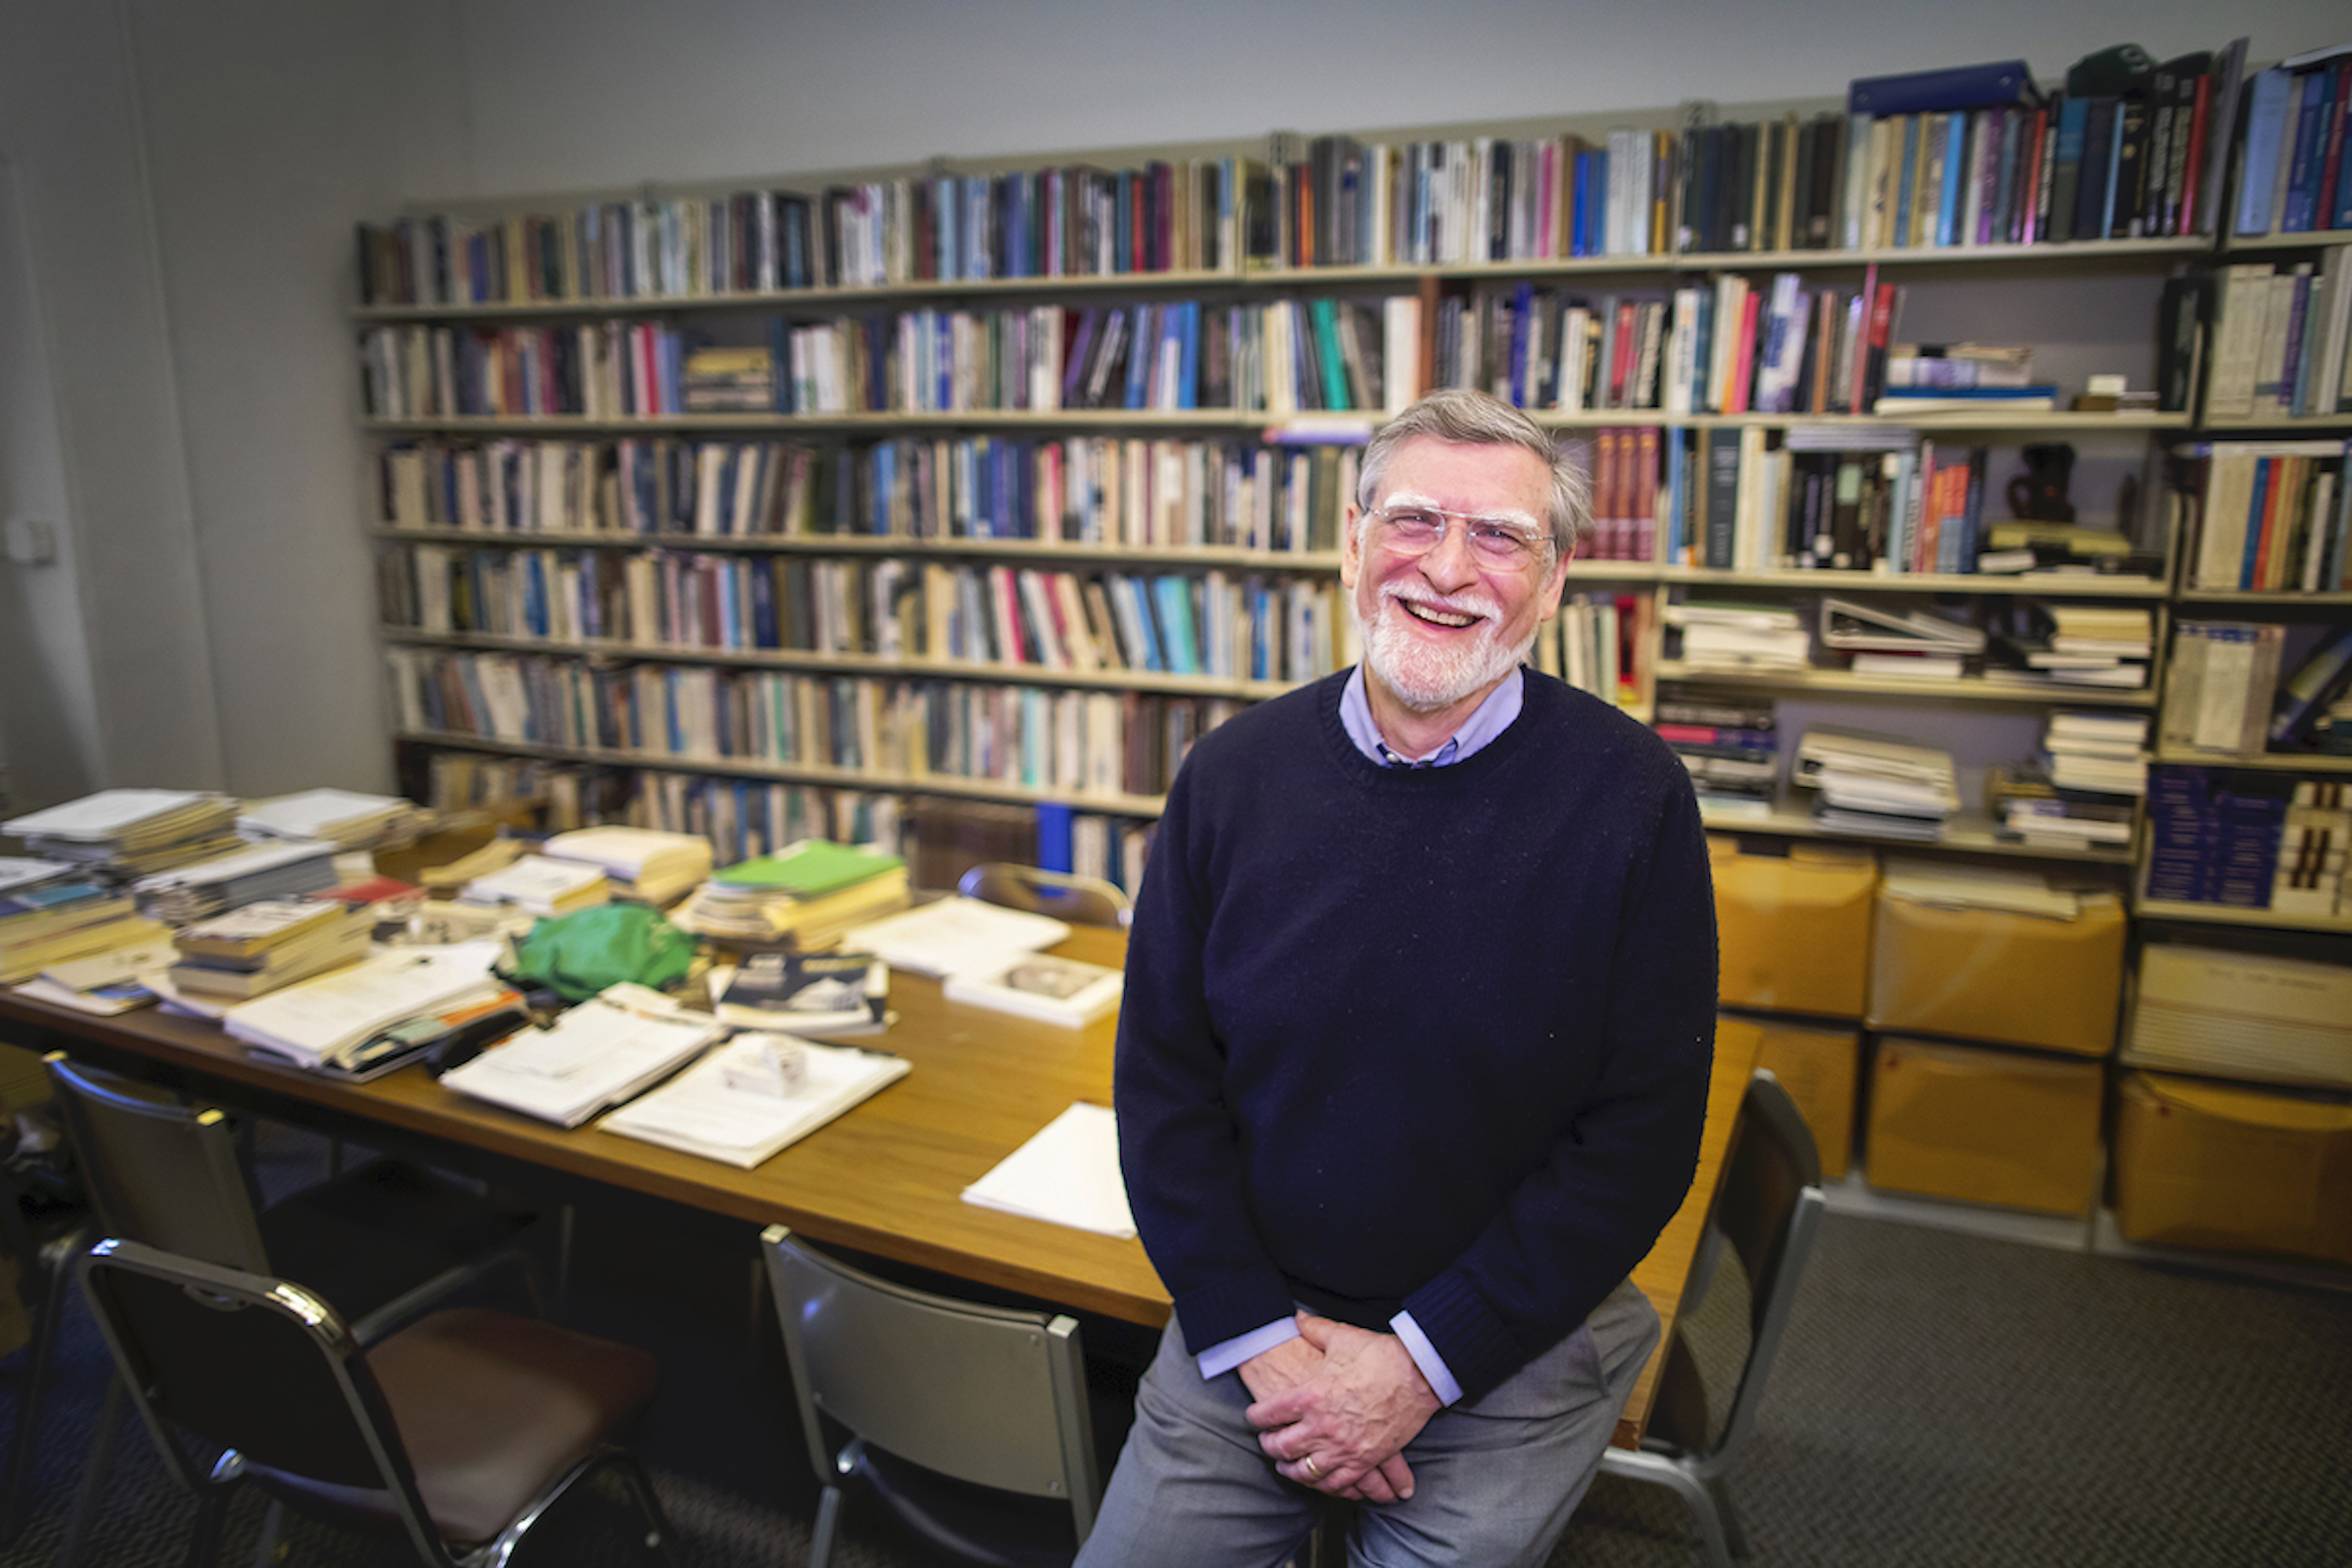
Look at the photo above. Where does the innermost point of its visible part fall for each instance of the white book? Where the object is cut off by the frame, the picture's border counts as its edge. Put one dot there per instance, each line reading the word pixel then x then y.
pixel 539 884
pixel 1067 1174
pixel 596 1055
pixel 1044 986
pixel 707 1111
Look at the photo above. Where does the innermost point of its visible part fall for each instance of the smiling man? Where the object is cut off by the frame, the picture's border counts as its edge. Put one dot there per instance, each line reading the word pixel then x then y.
pixel 1414 1056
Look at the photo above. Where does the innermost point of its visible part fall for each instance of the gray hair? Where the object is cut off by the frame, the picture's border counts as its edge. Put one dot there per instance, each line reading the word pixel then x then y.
pixel 1477 419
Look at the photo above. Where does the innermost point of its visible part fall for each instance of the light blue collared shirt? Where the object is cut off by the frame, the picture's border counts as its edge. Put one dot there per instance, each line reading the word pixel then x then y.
pixel 1490 718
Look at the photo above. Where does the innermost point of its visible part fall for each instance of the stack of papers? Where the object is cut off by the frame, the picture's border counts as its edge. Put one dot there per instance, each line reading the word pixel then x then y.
pixel 956 936
pixel 266 946
pixel 1741 637
pixel 279 869
pixel 538 886
pixel 1955 887
pixel 130 832
pixel 1877 787
pixel 19 872
pixel 808 894
pixel 108 982
pixel 596 1054
pixel 704 1113
pixel 642 863
pixel 341 817
pixel 317 1022
pixel 1067 1173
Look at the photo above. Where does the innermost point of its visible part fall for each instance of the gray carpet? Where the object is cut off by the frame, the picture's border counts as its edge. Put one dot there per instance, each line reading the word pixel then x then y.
pixel 1940 1400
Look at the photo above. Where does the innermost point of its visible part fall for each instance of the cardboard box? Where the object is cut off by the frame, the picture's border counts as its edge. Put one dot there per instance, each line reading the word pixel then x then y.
pixel 1822 1070
pixel 1793 931
pixel 1987 1127
pixel 2209 1164
pixel 1987 974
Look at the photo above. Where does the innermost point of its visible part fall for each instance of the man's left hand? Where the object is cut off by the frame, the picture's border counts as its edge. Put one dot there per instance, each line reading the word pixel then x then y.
pixel 1352 1418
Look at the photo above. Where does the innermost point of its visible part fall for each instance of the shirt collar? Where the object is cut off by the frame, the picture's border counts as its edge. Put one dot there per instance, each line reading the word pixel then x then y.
pixel 1490 718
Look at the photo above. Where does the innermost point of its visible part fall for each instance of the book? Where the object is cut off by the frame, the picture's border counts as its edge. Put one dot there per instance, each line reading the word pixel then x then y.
pixel 281 967
pixel 321 1020
pixel 712 1110
pixel 541 886
pixel 1044 986
pixel 803 993
pixel 595 1056
pixel 259 928
pixel 24 958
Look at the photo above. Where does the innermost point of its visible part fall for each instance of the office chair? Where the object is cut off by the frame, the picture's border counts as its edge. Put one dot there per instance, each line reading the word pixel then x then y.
pixel 1081 900
pixel 941 1407
pixel 44 1252
pixel 457 1433
pixel 385 1240
pixel 1766 1210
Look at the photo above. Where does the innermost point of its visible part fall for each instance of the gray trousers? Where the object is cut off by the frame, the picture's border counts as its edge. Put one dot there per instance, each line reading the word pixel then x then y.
pixel 1495 1480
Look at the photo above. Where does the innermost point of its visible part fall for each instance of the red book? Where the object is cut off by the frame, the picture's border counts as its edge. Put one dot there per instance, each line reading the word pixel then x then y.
pixel 1743 354
pixel 1646 494
pixel 2198 114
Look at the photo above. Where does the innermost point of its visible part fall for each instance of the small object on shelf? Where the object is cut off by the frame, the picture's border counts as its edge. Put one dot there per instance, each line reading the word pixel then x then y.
pixel 2039 494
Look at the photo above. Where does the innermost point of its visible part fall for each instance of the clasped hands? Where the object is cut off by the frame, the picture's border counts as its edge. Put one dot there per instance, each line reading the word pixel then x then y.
pixel 1335 1408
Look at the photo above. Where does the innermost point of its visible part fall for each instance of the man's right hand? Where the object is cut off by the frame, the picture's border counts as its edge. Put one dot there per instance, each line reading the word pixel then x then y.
pixel 1296 1361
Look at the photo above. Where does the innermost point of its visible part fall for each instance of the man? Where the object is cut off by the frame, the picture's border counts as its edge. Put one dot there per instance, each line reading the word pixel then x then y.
pixel 1413 1055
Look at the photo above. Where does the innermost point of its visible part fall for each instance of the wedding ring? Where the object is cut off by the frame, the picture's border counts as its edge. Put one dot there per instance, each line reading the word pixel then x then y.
pixel 1312 1473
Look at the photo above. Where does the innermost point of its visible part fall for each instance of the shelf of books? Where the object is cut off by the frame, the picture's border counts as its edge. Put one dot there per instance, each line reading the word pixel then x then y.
pixel 1076 440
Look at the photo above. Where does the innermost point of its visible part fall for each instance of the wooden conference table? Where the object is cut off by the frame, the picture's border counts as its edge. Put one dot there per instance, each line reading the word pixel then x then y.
pixel 885 1178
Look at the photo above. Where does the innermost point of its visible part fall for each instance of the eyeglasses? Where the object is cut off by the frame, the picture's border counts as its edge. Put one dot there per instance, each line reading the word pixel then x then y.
pixel 1417 531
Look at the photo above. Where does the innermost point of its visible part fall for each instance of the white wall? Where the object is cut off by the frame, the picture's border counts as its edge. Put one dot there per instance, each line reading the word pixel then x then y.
pixel 187 173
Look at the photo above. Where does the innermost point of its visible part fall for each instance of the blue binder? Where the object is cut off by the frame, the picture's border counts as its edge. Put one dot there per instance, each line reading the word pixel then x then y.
pixel 1955 86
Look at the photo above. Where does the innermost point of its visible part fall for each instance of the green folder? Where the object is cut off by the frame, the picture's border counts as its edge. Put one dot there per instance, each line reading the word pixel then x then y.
pixel 813 869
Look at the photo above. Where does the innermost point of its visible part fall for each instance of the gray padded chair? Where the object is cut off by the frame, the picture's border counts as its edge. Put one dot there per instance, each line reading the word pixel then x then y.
pixel 1766 1210
pixel 1080 900
pixel 385 1241
pixel 971 1422
pixel 454 1434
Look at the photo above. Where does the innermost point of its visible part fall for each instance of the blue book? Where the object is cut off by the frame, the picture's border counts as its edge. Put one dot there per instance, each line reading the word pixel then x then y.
pixel 2067 172
pixel 1179 637
pixel 2115 175
pixel 1956 159
pixel 2342 199
pixel 1931 91
pixel 1522 307
pixel 1149 638
pixel 1673 552
pixel 779 359
pixel 1053 850
pixel 1188 379
pixel 2265 129
pixel 2254 524
pixel 763 607
pixel 2308 162
pixel 1907 170
pixel 1141 340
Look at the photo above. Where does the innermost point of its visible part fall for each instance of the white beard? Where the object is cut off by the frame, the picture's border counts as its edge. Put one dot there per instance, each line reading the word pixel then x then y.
pixel 1427 676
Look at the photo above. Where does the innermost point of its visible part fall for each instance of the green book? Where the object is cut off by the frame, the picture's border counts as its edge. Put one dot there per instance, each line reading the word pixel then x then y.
pixel 813 869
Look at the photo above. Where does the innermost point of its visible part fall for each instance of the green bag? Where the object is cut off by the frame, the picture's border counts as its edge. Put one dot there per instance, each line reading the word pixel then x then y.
pixel 578 955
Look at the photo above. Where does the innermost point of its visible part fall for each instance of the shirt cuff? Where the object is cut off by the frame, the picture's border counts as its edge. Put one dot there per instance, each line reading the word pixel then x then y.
pixel 1227 1354
pixel 1424 1356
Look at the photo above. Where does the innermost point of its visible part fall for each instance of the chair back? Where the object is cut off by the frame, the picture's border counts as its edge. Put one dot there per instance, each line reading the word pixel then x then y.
pixel 1768 1209
pixel 256 1366
pixel 985 1394
pixel 158 1170
pixel 1081 900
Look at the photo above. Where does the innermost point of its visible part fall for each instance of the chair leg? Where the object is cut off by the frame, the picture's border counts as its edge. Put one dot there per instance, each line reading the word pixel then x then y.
pixel 828 1518
pixel 95 1467
pixel 211 1507
pixel 1702 1506
pixel 1733 1535
pixel 658 1531
pixel 271 1522
pixel 38 1358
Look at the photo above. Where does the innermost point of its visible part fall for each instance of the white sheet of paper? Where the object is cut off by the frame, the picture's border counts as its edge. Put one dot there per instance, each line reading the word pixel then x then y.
pixel 699 1113
pixel 1067 1173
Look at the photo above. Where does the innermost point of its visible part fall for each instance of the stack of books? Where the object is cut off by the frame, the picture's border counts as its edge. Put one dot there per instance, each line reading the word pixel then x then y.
pixel 1731 745
pixel 58 921
pixel 1913 644
pixel 278 869
pixel 2309 878
pixel 106 983
pixel 1740 637
pixel 805 898
pixel 2082 790
pixel 1877 787
pixel 2214 837
pixel 641 863
pixel 540 886
pixel 338 816
pixel 321 1021
pixel 22 873
pixel 259 947
pixel 2074 644
pixel 117 834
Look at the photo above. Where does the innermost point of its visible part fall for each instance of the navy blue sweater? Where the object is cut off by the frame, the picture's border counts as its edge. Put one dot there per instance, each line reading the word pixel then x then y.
pixel 1435 1039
